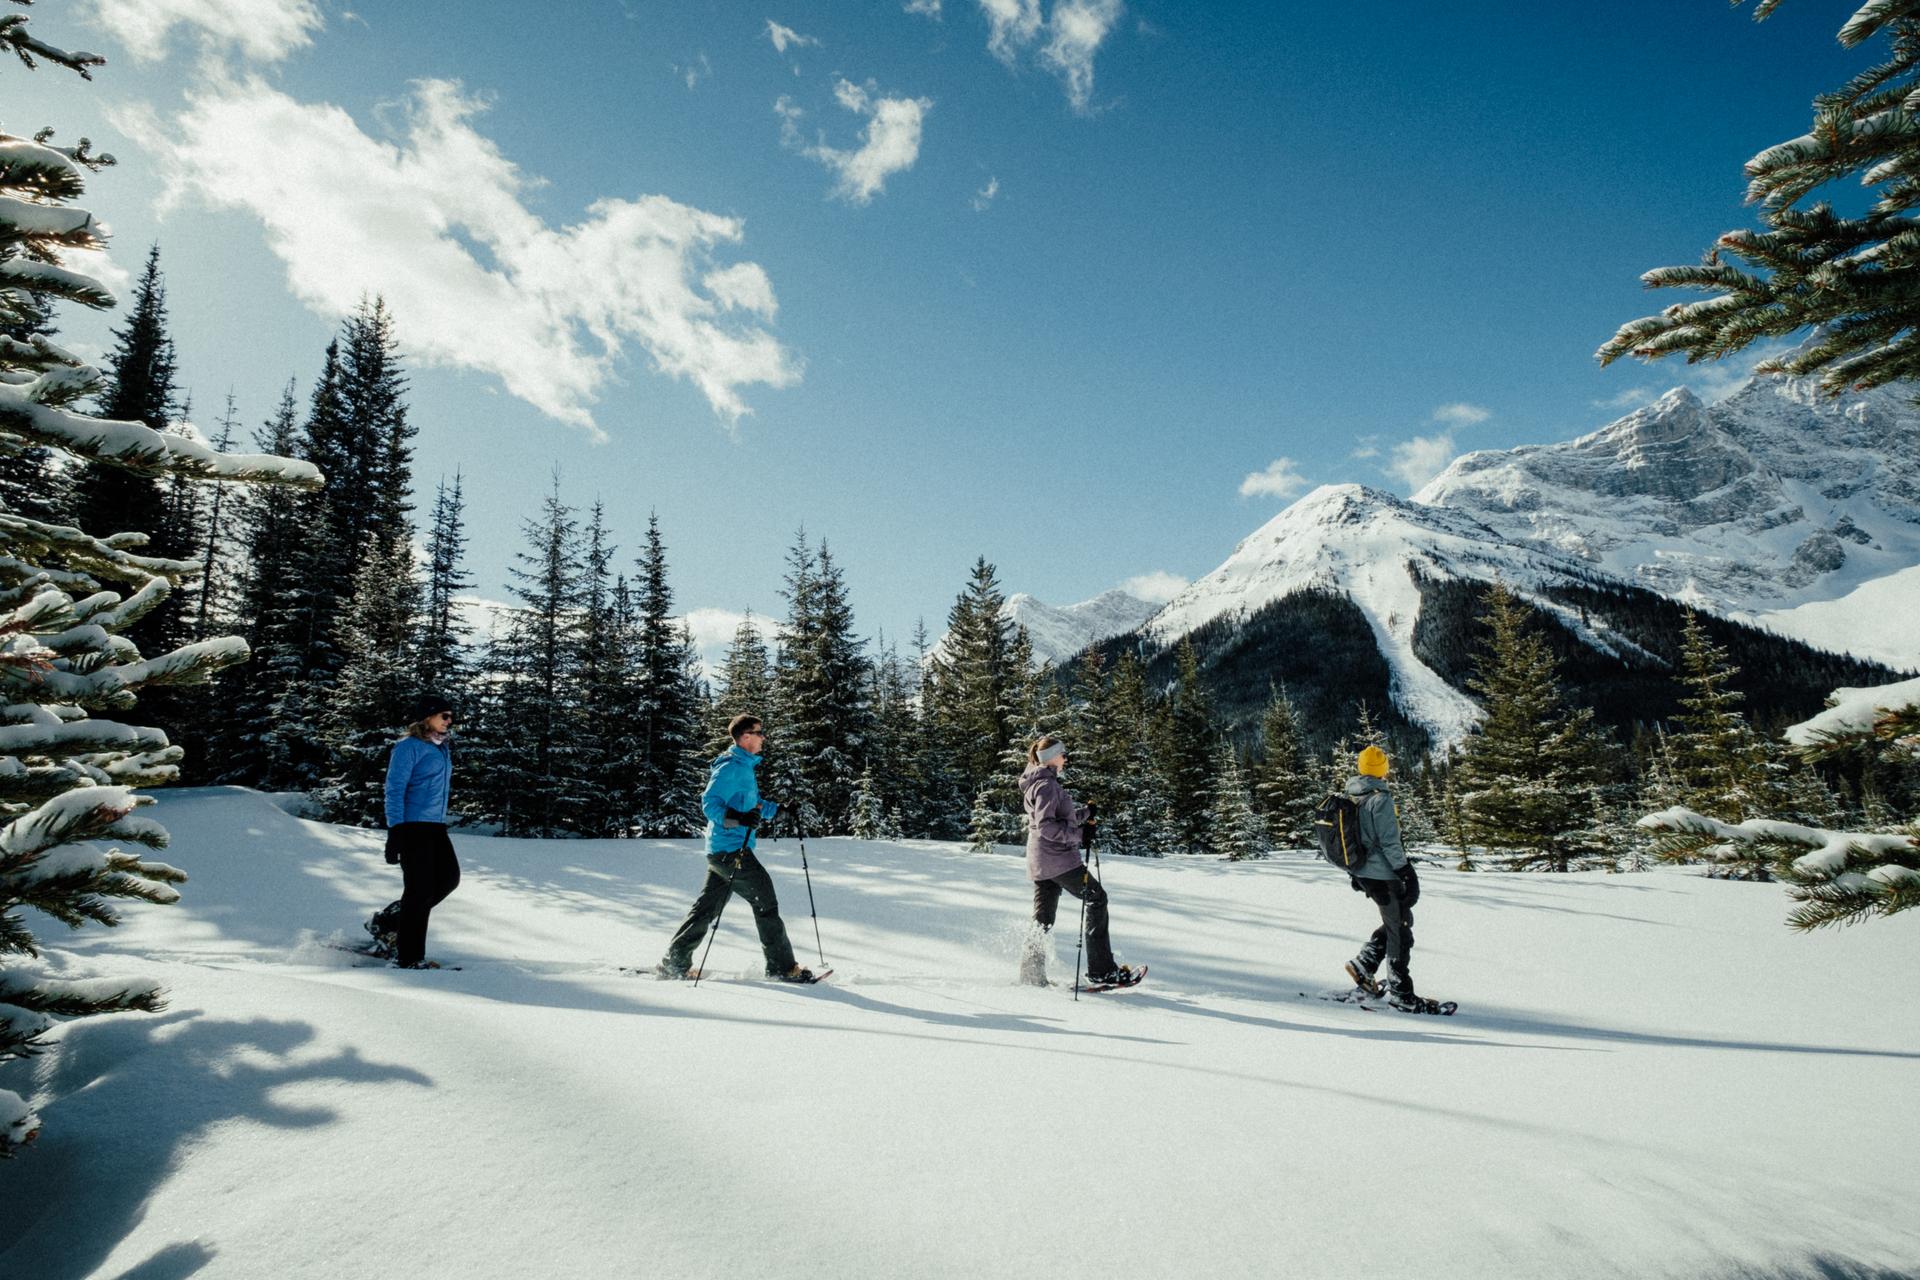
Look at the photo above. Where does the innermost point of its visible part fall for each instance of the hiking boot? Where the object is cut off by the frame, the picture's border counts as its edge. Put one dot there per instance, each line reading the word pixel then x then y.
pixel 1406 1001
pixel 668 969
pixel 1121 976
pixel 384 929
pixel 795 974
pixel 1364 981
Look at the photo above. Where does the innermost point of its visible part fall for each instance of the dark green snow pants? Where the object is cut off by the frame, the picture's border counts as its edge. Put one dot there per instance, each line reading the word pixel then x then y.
pixel 729 873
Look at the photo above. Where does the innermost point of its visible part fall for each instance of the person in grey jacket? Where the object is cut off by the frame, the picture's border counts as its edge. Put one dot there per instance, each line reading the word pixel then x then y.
pixel 1387 878
pixel 1057 829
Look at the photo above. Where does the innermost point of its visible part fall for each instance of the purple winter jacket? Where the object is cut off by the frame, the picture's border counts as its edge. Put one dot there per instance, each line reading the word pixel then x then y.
pixel 1053 824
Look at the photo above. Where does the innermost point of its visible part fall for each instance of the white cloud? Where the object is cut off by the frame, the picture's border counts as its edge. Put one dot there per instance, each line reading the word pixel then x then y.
pixel 889 145
pixel 1630 398
pixel 1157 587
pixel 984 196
pixel 925 8
pixel 476 616
pixel 262 30
pixel 1075 33
pixel 1461 415
pixel 437 224
pixel 1011 26
pixel 1079 27
pixel 785 38
pixel 1281 479
pixel 1416 461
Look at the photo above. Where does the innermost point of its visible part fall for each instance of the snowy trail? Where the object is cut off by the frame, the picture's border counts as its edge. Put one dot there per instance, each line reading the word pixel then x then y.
pixel 1650 1075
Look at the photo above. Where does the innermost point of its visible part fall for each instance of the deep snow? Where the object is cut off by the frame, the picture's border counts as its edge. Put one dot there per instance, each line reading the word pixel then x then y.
pixel 1650 1076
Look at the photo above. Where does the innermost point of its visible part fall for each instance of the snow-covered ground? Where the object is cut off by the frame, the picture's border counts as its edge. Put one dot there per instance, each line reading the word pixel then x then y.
pixel 1650 1076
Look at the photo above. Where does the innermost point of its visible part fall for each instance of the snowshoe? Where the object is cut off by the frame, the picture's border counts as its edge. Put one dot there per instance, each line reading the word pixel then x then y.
pixel 801 975
pixel 666 972
pixel 384 929
pixel 1364 982
pixel 1121 978
pixel 1410 1003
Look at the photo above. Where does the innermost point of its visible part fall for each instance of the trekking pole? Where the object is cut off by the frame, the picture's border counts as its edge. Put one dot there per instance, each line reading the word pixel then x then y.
pixel 800 831
pixel 713 933
pixel 1086 846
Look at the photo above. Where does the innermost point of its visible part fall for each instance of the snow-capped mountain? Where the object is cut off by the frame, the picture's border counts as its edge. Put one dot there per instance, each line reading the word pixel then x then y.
pixel 1777 505
pixel 1060 631
pixel 1057 632
pixel 1375 548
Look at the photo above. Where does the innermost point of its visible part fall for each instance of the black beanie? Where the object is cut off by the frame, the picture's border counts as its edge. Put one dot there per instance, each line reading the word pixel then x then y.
pixel 427 704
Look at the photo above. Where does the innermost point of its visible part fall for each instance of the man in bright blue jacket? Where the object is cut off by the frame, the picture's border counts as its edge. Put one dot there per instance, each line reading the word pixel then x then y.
pixel 734 813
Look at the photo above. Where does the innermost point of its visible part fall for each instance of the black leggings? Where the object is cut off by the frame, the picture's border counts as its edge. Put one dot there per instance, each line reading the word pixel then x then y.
pixel 1081 884
pixel 431 873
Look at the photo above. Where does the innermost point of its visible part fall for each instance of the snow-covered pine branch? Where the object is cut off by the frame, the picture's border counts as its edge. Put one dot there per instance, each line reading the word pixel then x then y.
pixel 1837 877
pixel 14 35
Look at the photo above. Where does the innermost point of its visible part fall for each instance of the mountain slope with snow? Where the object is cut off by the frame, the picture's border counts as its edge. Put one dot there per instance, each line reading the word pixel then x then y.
pixel 1375 547
pixel 1060 631
pixel 541 1113
pixel 1772 500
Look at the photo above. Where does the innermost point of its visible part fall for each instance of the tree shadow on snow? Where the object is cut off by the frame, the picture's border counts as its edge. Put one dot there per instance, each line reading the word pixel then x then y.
pixel 123 1098
pixel 1817 1267
pixel 175 1262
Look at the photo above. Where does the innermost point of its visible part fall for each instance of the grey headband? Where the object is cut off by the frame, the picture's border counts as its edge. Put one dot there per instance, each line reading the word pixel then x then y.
pixel 1049 754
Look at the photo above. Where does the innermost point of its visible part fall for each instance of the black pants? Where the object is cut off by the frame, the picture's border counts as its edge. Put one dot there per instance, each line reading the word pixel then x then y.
pixel 1081 884
pixel 430 872
pixel 729 873
pixel 1393 940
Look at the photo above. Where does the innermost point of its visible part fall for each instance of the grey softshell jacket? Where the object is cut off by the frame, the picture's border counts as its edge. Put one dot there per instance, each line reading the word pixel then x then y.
pixel 1379 828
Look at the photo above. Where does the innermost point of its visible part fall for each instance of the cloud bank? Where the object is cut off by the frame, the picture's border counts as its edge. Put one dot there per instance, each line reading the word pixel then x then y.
pixel 436 222
pixel 1281 479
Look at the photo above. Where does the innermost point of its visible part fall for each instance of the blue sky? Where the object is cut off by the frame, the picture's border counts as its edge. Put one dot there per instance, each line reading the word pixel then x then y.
pixel 1088 288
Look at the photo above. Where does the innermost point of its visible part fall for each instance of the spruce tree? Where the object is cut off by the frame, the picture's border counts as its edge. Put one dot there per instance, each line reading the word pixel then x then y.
pixel 1851 278
pixel 532 744
pixel 366 708
pixel 1527 776
pixel 67 603
pixel 139 387
pixel 1236 832
pixel 1190 752
pixel 940 811
pixel 669 725
pixel 443 641
pixel 746 685
pixel 1285 790
pixel 970 674
pixel 35 481
pixel 820 681
pixel 1721 762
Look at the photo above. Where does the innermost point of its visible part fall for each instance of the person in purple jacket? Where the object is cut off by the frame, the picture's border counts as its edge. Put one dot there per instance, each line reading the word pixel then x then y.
pixel 1057 827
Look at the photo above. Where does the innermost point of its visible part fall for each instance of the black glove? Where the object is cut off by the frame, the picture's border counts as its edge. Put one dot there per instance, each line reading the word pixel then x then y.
pixel 748 818
pixel 1354 881
pixel 1409 885
pixel 393 850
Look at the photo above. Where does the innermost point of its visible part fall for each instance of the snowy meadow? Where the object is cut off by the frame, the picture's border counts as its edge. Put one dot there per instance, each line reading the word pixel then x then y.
pixel 1649 1076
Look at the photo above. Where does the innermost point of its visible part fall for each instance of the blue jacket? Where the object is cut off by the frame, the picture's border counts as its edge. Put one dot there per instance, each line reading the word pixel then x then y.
pixel 419 775
pixel 731 784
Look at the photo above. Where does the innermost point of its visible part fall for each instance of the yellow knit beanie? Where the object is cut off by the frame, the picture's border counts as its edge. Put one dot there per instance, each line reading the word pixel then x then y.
pixel 1373 763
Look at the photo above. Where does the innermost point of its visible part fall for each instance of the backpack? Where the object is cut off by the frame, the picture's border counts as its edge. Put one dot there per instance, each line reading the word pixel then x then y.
pixel 1336 829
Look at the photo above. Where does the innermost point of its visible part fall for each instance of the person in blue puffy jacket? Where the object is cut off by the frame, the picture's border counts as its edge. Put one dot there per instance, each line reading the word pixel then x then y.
pixel 419 778
pixel 734 813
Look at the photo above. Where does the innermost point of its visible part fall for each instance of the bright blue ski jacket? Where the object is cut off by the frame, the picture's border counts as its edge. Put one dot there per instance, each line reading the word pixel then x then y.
pixel 731 784
pixel 419 776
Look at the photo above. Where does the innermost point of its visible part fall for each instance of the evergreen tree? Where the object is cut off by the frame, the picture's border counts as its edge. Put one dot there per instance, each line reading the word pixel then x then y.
pixel 443 641
pixel 892 770
pixel 940 810
pixel 139 387
pixel 609 749
pixel 669 724
pixel 68 781
pixel 820 681
pixel 1527 776
pixel 1285 790
pixel 366 708
pixel 1849 277
pixel 1191 747
pixel 1720 761
pixel 1236 832
pixel 532 751
pixel 970 674
pixel 1140 821
pixel 746 685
